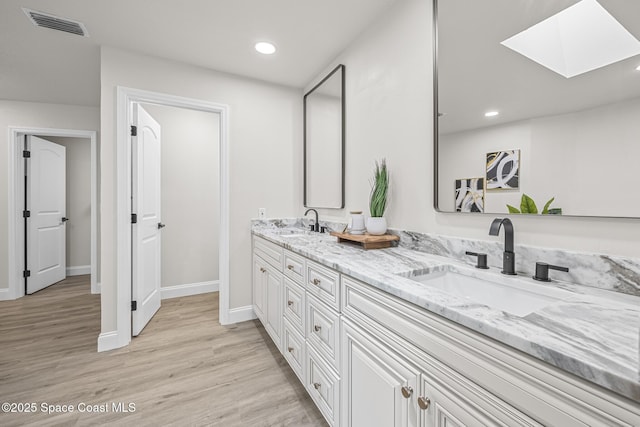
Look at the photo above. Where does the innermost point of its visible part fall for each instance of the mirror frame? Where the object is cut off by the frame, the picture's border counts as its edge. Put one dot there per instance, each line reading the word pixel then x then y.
pixel 341 68
pixel 436 115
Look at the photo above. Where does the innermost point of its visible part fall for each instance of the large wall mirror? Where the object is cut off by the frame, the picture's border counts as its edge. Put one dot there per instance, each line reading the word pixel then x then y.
pixel 538 98
pixel 324 136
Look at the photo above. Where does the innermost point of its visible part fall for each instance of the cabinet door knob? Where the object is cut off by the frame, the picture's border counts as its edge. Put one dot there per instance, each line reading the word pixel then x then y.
pixel 317 328
pixel 316 385
pixel 263 270
pixel 290 267
pixel 289 303
pixel 316 282
pixel 424 403
pixel 407 391
pixel 290 349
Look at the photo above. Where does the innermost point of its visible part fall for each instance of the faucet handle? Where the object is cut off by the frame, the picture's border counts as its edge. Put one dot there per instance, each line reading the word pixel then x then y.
pixel 542 271
pixel 482 259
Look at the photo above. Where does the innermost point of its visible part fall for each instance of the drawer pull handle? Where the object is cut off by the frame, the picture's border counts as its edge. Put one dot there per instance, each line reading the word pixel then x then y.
pixel 317 328
pixel 263 270
pixel 290 349
pixel 316 282
pixel 316 385
pixel 424 403
pixel 407 391
pixel 290 267
pixel 289 303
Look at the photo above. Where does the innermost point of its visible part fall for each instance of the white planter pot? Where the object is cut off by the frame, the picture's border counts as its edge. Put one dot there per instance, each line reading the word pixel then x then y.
pixel 376 226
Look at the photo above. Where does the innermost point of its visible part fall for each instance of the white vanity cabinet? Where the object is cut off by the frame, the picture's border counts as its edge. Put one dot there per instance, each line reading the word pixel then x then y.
pixel 268 284
pixel 368 358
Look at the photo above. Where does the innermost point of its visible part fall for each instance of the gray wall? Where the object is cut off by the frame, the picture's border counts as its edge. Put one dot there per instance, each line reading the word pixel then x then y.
pixel 78 200
pixel 190 194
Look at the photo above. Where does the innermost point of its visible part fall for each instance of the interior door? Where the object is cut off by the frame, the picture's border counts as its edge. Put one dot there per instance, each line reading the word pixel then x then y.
pixel 46 203
pixel 145 283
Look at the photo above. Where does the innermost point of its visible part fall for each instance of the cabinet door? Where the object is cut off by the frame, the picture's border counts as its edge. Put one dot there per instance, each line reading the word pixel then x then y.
pixel 259 287
pixel 378 388
pixel 274 283
pixel 455 402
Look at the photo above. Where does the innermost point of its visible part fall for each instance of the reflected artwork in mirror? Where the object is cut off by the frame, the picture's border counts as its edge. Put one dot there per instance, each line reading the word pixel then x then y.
pixel 324 138
pixel 563 104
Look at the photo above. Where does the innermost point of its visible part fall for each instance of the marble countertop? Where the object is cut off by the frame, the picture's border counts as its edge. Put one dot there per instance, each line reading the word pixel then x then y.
pixel 589 332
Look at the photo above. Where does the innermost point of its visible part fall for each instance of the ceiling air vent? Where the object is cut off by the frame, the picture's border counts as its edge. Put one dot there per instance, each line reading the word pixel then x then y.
pixel 52 22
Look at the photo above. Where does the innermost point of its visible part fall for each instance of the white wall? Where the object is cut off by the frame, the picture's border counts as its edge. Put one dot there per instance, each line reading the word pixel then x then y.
pixel 78 202
pixel 389 99
pixel 587 160
pixel 265 151
pixel 30 114
pixel 190 194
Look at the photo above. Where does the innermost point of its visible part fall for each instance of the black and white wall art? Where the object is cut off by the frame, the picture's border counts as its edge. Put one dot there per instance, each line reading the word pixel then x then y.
pixel 503 170
pixel 470 195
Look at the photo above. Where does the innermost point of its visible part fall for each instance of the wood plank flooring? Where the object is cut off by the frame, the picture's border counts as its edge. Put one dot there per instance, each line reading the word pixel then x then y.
pixel 185 369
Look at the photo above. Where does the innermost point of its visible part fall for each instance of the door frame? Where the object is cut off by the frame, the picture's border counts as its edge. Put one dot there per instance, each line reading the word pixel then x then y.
pixel 15 201
pixel 125 98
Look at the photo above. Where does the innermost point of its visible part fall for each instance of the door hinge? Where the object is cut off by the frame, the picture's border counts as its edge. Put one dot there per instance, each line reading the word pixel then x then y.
pixel 134 130
pixel 134 305
pixel 26 214
pixel 134 218
pixel 26 154
pixel 26 273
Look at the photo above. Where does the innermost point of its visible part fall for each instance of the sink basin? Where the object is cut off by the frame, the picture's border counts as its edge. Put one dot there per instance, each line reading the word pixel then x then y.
pixel 509 294
pixel 291 232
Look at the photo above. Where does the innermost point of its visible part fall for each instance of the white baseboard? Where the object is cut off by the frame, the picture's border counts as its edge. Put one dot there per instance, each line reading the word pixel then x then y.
pixel 78 270
pixel 189 289
pixel 241 314
pixel 108 341
pixel 5 295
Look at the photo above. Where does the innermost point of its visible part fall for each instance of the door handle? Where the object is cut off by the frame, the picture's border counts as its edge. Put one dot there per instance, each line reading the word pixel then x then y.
pixel 161 225
pixel 65 219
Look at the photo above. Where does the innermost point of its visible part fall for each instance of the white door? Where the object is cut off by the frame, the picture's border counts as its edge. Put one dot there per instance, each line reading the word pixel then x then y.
pixel 145 203
pixel 46 201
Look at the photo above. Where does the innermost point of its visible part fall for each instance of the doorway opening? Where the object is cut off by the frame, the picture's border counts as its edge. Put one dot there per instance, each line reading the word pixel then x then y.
pixel 127 98
pixel 16 201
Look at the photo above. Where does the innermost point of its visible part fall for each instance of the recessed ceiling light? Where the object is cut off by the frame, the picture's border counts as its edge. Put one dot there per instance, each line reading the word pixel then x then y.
pixel 638 68
pixel 568 43
pixel 491 113
pixel 265 48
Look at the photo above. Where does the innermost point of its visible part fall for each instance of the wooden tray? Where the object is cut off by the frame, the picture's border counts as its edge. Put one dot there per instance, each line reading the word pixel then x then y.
pixel 367 241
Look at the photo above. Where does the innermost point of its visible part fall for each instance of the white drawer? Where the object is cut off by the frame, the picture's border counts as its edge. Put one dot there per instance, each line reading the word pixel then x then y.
pixel 323 385
pixel 294 304
pixel 294 267
pixel 293 349
pixel 323 331
pixel 324 284
pixel 268 251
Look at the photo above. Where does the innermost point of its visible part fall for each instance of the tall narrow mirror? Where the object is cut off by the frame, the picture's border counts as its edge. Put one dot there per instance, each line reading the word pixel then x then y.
pixel 324 136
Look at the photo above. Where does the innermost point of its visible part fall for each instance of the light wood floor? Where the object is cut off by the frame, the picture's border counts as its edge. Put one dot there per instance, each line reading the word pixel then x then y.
pixel 185 369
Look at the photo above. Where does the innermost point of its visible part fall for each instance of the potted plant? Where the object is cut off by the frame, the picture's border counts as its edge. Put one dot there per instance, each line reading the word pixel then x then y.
pixel 528 206
pixel 377 224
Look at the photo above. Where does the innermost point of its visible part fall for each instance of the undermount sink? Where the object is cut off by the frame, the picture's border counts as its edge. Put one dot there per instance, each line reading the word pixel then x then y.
pixel 291 232
pixel 512 295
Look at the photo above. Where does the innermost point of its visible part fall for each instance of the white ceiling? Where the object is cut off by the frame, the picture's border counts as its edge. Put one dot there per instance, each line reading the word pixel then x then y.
pixel 38 64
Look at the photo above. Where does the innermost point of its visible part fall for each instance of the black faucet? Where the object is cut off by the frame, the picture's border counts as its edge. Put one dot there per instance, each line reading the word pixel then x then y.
pixel 508 257
pixel 314 227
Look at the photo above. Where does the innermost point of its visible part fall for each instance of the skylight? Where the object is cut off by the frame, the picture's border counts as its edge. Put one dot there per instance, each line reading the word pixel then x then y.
pixel 581 38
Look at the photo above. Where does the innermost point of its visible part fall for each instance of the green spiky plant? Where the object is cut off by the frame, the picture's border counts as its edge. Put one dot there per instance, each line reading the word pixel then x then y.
pixel 379 189
pixel 528 206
